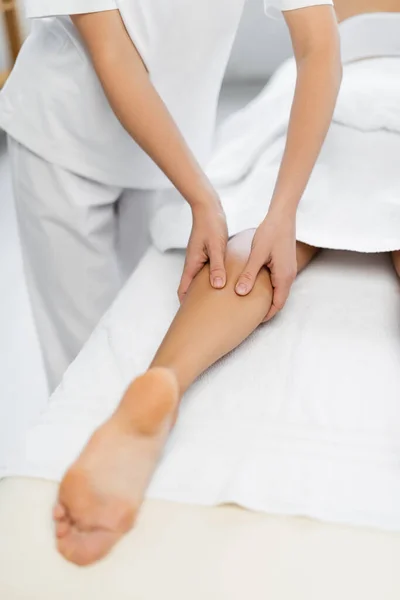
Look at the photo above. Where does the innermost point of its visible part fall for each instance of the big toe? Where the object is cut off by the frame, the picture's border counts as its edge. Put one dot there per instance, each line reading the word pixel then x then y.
pixel 84 548
pixel 62 528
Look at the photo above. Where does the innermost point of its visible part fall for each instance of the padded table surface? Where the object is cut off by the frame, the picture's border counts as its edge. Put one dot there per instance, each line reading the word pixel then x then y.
pixel 183 552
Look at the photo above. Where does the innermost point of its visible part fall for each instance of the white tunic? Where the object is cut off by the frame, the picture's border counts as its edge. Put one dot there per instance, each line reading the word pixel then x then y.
pixel 53 102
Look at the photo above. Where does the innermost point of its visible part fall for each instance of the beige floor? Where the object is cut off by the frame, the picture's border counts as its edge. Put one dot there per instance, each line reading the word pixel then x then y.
pixel 189 553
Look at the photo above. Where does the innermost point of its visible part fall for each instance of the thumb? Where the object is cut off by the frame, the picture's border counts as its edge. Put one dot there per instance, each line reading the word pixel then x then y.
pixel 249 274
pixel 217 267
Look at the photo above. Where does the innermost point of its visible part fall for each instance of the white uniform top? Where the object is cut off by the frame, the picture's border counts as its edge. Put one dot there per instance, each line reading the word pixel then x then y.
pixel 53 102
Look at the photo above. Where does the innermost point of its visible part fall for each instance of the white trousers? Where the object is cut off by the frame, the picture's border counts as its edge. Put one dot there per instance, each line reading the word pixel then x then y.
pixel 80 240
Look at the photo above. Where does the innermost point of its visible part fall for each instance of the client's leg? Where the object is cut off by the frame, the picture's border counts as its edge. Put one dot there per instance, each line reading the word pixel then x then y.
pixel 208 325
pixel 102 492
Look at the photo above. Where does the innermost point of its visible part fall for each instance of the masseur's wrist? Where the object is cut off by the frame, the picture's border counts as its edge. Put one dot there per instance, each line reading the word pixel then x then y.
pixel 206 202
pixel 282 212
pixel 209 210
pixel 203 195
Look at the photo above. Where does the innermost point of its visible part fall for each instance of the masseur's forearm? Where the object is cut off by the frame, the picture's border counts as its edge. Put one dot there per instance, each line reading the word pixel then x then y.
pixel 318 83
pixel 137 104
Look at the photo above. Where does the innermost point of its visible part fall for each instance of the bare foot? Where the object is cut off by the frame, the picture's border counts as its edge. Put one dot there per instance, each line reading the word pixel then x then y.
pixel 102 492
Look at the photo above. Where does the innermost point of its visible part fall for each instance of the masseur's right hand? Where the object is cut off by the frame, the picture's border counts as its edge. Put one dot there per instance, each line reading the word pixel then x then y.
pixel 144 115
pixel 207 243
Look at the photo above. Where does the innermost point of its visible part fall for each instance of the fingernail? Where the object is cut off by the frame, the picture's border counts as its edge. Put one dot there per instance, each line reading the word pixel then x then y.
pixel 241 289
pixel 218 283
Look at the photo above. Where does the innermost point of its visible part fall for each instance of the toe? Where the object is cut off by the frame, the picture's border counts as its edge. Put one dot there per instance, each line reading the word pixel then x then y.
pixel 62 528
pixel 59 512
pixel 95 545
pixel 84 548
pixel 68 545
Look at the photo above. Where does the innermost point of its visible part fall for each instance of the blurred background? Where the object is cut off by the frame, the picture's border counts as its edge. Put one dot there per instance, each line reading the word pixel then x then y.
pixel 260 47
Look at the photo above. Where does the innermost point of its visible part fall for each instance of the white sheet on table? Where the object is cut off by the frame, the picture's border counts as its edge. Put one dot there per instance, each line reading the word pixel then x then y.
pixel 304 418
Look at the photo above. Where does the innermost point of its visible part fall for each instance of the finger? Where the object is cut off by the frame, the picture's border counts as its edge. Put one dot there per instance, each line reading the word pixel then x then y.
pixel 191 269
pixel 281 294
pixel 248 277
pixel 217 267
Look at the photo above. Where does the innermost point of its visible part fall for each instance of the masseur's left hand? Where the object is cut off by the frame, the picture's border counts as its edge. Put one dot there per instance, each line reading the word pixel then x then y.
pixel 274 248
pixel 207 243
pixel 316 47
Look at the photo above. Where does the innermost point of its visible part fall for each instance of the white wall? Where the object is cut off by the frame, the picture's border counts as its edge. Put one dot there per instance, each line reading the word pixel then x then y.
pixel 261 45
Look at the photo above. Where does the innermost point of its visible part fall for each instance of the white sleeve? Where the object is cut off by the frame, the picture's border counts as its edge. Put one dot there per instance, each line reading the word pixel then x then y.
pixel 51 8
pixel 273 7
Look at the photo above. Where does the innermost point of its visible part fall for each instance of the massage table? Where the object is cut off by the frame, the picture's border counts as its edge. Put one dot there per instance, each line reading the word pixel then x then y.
pixel 181 551
pixel 323 508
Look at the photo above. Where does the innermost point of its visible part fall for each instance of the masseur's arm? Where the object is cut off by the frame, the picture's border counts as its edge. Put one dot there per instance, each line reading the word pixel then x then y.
pixel 317 50
pixel 143 114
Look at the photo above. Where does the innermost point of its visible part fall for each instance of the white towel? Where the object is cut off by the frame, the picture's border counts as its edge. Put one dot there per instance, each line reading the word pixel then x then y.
pixel 303 419
pixel 369 100
pixel 352 201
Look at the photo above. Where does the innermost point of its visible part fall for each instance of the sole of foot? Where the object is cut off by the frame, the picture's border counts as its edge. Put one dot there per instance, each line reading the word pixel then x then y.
pixel 101 494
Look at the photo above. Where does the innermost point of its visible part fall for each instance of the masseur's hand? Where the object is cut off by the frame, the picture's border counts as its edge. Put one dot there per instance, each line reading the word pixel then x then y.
pixel 207 243
pixel 316 46
pixel 274 247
